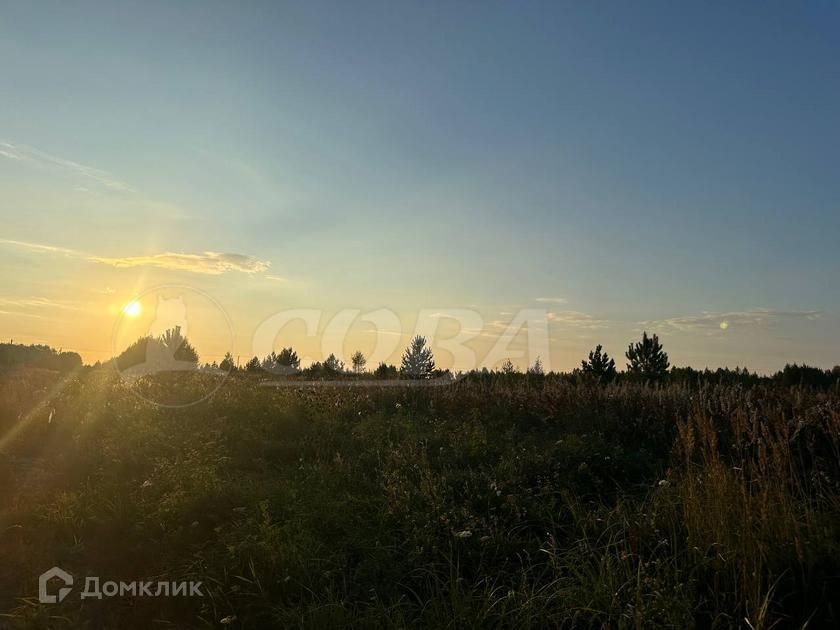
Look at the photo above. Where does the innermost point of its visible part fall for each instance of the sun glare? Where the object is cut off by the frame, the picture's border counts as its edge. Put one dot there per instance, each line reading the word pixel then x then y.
pixel 132 309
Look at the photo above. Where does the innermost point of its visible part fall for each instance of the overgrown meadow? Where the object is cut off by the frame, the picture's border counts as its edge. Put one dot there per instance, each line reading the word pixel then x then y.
pixel 510 501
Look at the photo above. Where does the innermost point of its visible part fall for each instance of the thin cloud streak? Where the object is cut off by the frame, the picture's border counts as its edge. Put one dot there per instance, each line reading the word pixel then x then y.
pixel 710 321
pixel 576 319
pixel 38 158
pixel 212 263
pixel 39 302
pixel 21 314
pixel 39 247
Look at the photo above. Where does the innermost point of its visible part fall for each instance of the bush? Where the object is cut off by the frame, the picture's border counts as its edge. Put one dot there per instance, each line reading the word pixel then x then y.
pixel 502 500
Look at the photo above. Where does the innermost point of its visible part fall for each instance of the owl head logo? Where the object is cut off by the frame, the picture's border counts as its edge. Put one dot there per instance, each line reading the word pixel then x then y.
pixel 170 313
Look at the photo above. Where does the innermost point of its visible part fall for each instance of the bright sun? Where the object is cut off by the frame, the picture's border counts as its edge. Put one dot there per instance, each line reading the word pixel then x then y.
pixel 132 309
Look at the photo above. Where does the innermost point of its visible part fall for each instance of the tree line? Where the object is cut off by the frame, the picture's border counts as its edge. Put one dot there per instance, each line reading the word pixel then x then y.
pixel 13 355
pixel 417 363
pixel 647 361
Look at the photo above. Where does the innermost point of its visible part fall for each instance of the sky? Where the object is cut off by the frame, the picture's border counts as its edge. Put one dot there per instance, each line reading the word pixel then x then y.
pixel 620 166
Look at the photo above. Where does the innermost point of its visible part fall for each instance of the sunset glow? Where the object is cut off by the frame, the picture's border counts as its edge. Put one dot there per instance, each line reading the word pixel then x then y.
pixel 132 309
pixel 367 162
pixel 429 314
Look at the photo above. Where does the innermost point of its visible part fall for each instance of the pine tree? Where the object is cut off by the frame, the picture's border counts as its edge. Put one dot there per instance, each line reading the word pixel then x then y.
pixel 508 367
pixel 177 345
pixel 385 371
pixel 537 368
pixel 599 365
pixel 228 364
pixel 647 359
pixel 418 360
pixel 287 358
pixel 332 364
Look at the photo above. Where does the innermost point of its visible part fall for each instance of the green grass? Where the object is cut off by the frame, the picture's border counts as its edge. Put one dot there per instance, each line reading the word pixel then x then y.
pixel 500 502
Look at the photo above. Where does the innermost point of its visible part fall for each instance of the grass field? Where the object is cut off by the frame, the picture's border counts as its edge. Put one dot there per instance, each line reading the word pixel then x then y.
pixel 504 501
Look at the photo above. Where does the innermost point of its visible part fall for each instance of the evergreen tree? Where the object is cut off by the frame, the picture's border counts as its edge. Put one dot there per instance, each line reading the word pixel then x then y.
pixel 228 364
pixel 599 365
pixel 170 351
pixel 418 361
pixel 508 367
pixel 385 371
pixel 288 360
pixel 647 359
pixel 333 365
pixel 537 369
pixel 177 346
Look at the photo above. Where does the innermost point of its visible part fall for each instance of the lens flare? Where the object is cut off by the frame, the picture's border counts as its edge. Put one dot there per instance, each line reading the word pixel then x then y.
pixel 132 309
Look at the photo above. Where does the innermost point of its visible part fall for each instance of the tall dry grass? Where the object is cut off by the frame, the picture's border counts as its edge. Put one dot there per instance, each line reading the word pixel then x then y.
pixel 497 502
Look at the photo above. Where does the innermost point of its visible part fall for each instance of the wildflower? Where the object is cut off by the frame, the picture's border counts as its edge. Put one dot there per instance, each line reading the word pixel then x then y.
pixel 464 534
pixel 398 406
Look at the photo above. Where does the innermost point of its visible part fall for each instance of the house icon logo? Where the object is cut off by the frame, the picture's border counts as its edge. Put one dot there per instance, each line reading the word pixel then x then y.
pixel 43 581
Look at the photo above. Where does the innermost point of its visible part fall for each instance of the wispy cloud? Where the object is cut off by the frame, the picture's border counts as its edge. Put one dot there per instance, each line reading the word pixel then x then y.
pixel 551 300
pixel 276 278
pixel 213 263
pixel 41 159
pixel 39 302
pixel 21 314
pixel 7 151
pixel 576 319
pixel 710 321
pixel 40 247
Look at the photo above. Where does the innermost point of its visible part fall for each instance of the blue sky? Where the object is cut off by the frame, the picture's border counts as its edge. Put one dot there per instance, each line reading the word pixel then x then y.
pixel 656 166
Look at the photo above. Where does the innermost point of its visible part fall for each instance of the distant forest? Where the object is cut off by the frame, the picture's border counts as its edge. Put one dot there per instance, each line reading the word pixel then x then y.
pixel 646 361
pixel 37 356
